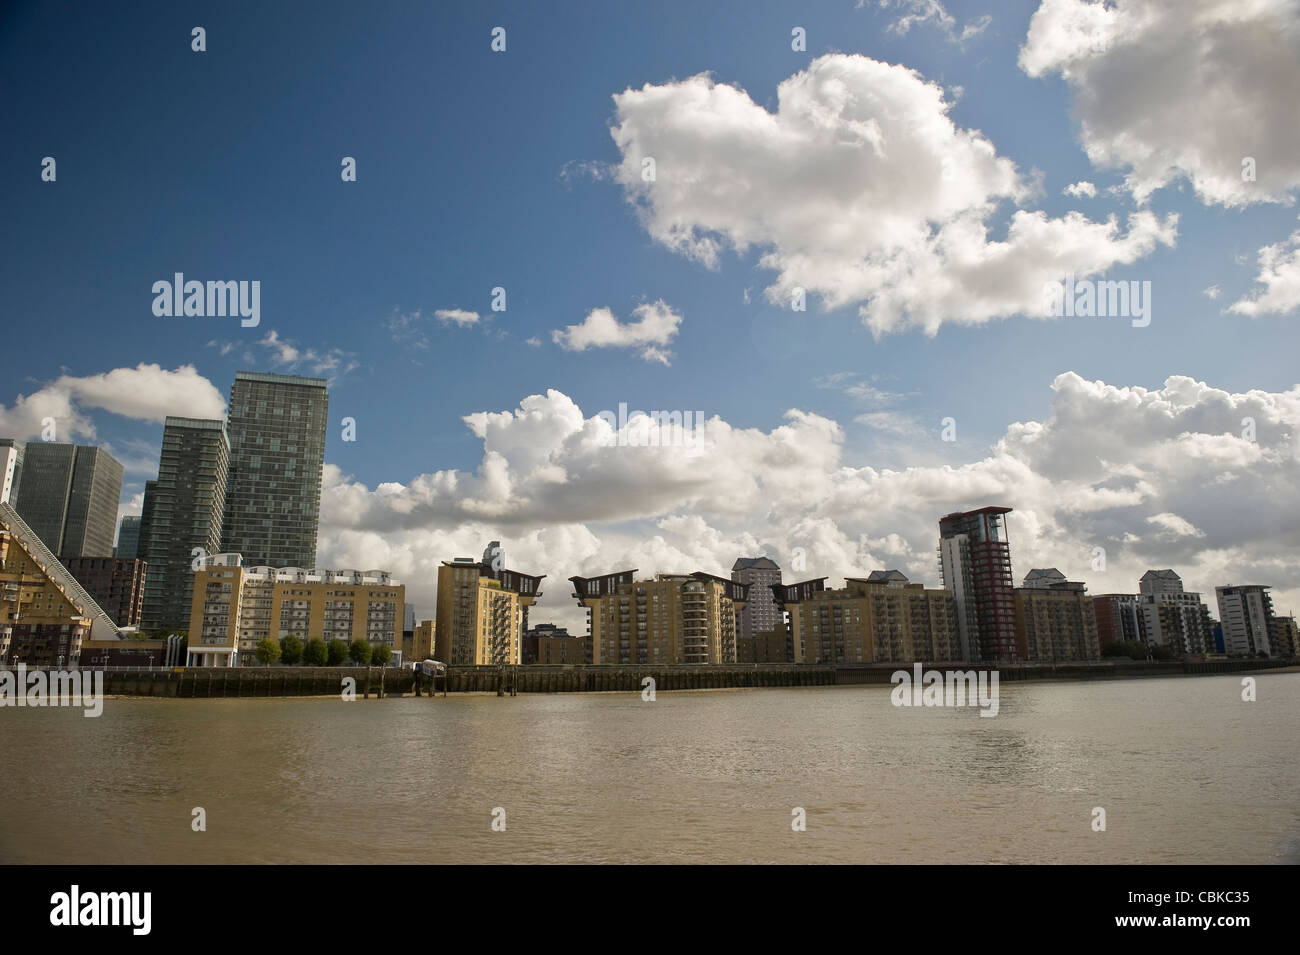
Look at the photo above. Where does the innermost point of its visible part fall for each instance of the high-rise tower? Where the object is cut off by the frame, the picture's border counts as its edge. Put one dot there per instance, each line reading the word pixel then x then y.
pixel 277 449
pixel 69 496
pixel 975 557
pixel 183 511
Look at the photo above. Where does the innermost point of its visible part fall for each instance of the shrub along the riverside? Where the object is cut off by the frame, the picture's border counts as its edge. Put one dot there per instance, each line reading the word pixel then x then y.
pixel 337 652
pixel 290 650
pixel 316 653
pixel 268 651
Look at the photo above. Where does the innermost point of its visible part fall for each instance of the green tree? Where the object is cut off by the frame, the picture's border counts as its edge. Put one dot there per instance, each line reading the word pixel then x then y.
pixel 338 652
pixel 316 653
pixel 380 654
pixel 290 650
pixel 359 652
pixel 268 651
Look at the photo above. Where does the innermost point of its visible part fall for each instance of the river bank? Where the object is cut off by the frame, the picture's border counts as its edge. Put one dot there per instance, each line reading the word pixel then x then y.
pixel 378 682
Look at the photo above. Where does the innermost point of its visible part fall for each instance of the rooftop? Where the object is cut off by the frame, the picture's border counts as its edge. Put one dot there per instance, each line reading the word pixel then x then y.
pixel 757 563
pixel 274 379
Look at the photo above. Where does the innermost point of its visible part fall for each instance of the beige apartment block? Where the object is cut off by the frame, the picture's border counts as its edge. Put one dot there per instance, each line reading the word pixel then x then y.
pixel 235 607
pixel 420 645
pixel 882 618
pixel 482 612
pixel 674 618
pixel 1056 620
pixel 1055 627
pixel 1284 637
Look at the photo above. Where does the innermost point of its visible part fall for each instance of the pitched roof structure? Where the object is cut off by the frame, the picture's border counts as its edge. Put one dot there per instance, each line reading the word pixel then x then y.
pixel 101 627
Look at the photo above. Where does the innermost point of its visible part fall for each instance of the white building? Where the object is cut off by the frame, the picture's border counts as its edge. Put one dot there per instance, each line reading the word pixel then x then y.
pixel 1245 611
pixel 1173 617
pixel 760 613
pixel 11 466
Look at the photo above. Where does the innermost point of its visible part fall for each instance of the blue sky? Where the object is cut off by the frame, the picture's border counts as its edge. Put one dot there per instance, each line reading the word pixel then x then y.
pixel 225 165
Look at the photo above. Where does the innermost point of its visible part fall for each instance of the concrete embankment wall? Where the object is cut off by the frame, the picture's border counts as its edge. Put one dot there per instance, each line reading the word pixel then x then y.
pixel 257 681
pixel 595 679
pixel 205 682
pixel 881 673
pixel 391 681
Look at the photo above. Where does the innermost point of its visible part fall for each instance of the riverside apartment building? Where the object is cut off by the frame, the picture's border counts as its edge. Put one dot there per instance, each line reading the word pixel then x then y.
pixel 236 607
pixel 482 611
pixel 674 618
pixel 879 618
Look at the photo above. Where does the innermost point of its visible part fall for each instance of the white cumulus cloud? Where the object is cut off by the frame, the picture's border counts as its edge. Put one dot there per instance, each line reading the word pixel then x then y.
pixel 654 328
pixel 1279 273
pixel 1143 473
pixel 147 392
pixel 861 189
pixel 1170 90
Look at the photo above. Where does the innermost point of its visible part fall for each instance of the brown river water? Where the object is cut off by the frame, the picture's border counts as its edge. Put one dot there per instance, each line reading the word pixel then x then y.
pixel 1185 770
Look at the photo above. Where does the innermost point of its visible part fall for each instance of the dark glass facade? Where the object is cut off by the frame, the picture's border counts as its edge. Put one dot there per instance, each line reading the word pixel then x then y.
pixel 128 538
pixel 277 429
pixel 69 496
pixel 182 511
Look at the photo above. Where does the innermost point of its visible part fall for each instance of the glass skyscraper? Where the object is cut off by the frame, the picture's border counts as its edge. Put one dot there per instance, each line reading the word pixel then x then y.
pixel 277 450
pixel 128 538
pixel 182 511
pixel 69 496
